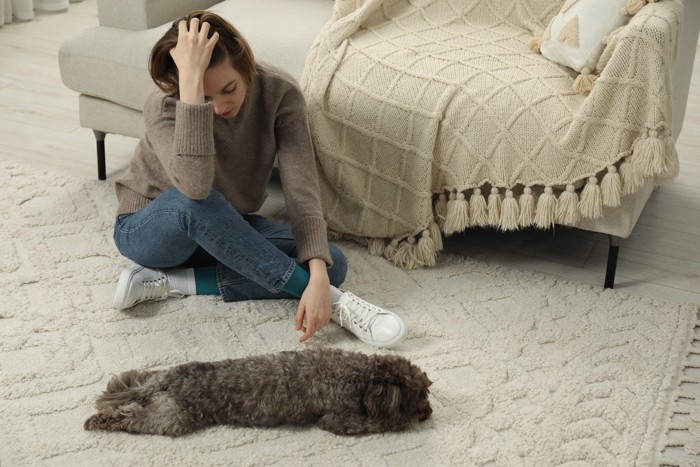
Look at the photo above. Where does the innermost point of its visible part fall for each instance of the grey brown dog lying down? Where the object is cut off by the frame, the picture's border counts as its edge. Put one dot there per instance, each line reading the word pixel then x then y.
pixel 343 392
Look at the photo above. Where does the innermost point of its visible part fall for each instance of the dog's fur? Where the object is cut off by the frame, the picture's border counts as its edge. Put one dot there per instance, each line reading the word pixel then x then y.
pixel 343 392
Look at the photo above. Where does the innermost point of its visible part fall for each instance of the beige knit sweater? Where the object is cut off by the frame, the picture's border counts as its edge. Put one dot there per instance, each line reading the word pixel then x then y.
pixel 430 117
pixel 189 147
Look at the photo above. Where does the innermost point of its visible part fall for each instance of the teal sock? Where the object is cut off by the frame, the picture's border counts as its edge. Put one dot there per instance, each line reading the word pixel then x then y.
pixel 205 281
pixel 297 282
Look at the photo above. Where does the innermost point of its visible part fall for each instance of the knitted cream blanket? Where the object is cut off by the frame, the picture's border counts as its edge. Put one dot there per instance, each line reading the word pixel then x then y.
pixel 433 116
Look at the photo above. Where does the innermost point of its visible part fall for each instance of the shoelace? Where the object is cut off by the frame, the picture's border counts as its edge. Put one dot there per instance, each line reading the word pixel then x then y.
pixel 156 289
pixel 362 312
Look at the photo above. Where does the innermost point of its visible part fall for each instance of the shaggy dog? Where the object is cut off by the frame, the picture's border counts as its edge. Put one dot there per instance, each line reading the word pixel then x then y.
pixel 343 392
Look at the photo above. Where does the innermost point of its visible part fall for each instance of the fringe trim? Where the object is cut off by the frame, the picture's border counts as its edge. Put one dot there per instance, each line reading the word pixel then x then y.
pixel 535 43
pixel 510 212
pixel 457 219
pixel 680 445
pixel 653 158
pixel 585 81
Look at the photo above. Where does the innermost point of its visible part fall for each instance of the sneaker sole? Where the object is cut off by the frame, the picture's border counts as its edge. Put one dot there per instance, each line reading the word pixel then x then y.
pixel 392 343
pixel 122 287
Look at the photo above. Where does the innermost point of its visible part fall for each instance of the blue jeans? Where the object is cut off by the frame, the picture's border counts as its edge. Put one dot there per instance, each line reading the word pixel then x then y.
pixel 254 256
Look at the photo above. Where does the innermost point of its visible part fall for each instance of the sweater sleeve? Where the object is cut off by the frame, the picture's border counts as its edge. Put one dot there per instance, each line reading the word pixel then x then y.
pixel 182 137
pixel 297 164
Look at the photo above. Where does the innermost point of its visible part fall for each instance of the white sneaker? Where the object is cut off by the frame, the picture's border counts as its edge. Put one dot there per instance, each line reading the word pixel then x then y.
pixel 371 324
pixel 140 284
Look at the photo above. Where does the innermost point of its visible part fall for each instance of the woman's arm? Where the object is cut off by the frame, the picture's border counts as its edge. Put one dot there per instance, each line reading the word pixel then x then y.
pixel 181 131
pixel 297 164
pixel 314 310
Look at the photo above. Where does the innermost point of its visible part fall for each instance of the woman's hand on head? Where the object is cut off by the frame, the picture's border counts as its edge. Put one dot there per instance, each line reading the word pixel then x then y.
pixel 192 55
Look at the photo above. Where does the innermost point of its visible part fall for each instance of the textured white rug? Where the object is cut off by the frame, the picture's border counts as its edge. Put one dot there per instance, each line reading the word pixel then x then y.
pixel 527 370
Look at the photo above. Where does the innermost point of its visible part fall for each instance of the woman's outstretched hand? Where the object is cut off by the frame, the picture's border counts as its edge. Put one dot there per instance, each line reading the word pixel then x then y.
pixel 192 55
pixel 314 310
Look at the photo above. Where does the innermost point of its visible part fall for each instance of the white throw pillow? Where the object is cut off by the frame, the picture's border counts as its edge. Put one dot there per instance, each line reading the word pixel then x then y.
pixel 574 37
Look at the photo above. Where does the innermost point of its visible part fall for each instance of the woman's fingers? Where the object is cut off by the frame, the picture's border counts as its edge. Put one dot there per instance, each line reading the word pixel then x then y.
pixel 181 28
pixel 308 323
pixel 194 26
pixel 213 39
pixel 195 30
pixel 299 317
pixel 307 334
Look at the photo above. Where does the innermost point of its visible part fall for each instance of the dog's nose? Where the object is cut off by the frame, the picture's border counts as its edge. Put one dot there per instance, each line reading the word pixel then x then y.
pixel 425 411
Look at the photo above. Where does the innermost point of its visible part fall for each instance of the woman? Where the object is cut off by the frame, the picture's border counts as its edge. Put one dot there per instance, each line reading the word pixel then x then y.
pixel 213 131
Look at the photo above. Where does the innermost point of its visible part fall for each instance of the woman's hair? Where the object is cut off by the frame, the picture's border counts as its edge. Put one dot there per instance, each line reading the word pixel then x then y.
pixel 231 45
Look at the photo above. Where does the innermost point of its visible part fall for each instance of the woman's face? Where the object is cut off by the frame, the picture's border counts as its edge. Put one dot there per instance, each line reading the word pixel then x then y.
pixel 224 86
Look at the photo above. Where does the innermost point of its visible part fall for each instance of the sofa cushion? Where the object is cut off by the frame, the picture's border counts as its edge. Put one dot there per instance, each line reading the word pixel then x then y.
pixel 112 64
pixel 574 37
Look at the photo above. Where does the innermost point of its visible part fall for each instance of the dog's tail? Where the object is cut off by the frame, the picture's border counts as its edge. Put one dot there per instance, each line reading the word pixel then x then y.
pixel 123 389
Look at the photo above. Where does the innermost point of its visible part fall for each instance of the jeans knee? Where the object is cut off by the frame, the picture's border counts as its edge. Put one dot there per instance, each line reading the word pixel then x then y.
pixel 339 270
pixel 195 211
pixel 177 198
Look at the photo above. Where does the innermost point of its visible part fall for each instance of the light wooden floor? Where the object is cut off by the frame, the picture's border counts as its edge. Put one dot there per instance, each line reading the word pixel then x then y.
pixel 39 125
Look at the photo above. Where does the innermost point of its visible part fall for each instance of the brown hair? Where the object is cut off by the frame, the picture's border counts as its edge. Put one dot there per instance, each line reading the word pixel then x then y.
pixel 231 45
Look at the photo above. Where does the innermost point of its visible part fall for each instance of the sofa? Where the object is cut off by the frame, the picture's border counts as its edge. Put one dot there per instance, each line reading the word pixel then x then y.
pixel 107 66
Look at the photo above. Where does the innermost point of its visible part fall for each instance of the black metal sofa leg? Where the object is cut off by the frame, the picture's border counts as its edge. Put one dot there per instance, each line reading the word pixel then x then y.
pixel 612 261
pixel 101 165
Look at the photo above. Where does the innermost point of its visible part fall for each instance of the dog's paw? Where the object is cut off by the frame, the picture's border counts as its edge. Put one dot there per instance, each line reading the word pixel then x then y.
pixel 101 421
pixel 344 424
pixel 92 423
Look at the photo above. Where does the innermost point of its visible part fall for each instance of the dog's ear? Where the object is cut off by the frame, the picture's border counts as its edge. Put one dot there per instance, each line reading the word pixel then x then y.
pixel 401 372
pixel 382 399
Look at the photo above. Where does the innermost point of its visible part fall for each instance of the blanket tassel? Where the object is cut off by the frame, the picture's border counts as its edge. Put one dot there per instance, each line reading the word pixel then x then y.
pixel 441 210
pixel 567 209
pixel 425 251
pixel 584 82
pixel 535 43
pixel 376 246
pixel 478 209
pixel 527 208
pixel 591 203
pixel 611 188
pixel 510 212
pixel 671 167
pixel 494 207
pixel 457 219
pixel 405 256
pixel 390 250
pixel 546 209
pixel 630 178
pixel 413 253
pixel 648 154
pixel 435 234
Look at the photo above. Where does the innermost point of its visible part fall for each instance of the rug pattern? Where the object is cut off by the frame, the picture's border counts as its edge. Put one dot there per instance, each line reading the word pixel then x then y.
pixel 527 370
